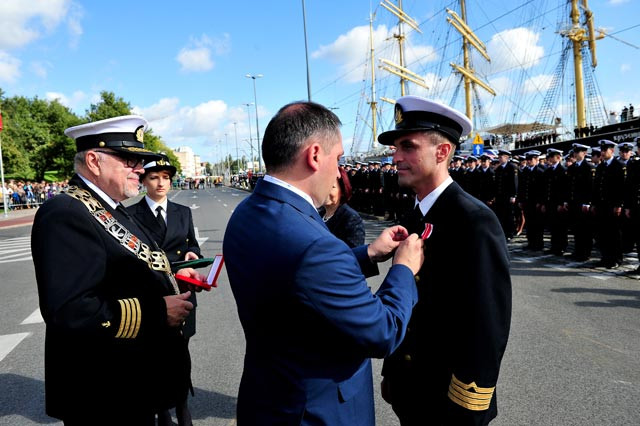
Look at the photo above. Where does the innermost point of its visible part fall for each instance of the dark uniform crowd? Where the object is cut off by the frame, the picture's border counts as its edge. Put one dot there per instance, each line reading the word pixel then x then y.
pixel 591 193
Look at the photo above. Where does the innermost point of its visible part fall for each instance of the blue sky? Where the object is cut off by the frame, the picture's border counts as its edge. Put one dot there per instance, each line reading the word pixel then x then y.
pixel 182 64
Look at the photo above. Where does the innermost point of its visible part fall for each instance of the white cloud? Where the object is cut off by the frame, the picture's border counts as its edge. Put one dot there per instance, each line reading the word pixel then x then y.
pixel 73 24
pixel 74 101
pixel 202 126
pixel 351 51
pixel 40 68
pixel 196 56
pixel 22 22
pixel 624 68
pixel 538 83
pixel 9 68
pixel 616 2
pixel 509 49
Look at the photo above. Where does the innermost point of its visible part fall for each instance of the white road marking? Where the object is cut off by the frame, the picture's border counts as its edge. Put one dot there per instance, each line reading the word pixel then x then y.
pixel 194 206
pixel 16 260
pixel 200 239
pixel 603 277
pixel 15 250
pixel 34 318
pixel 8 342
pixel 224 204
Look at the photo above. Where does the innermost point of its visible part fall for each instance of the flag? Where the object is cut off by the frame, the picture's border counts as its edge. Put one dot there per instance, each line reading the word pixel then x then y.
pixel 0 121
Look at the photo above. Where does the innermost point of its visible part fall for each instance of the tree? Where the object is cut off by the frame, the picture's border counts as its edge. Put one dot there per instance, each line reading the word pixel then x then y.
pixel 109 106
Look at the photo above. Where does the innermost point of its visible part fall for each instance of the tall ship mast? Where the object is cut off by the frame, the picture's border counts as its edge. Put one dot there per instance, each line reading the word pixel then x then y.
pixel 495 71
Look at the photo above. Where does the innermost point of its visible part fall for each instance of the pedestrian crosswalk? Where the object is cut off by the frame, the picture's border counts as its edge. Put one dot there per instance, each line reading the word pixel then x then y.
pixel 15 250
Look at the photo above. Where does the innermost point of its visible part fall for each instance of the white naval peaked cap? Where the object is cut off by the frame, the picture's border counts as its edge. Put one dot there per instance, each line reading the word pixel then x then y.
pixel 415 113
pixel 123 134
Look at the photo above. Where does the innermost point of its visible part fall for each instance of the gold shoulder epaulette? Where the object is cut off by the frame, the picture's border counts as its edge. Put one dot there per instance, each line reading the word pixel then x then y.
pixel 470 396
pixel 130 317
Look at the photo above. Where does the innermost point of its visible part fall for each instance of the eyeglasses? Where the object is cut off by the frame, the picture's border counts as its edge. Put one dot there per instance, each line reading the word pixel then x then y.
pixel 130 160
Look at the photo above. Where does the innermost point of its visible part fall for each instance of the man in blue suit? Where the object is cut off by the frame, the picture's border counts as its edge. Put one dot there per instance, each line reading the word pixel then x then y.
pixel 310 321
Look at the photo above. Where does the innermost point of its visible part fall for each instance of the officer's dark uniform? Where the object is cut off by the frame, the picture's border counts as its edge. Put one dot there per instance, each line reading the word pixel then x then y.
pixel 471 180
pixel 580 178
pixel 486 182
pixel 556 200
pixel 446 369
pixel 108 347
pixel 110 355
pixel 176 242
pixel 608 187
pixel 627 229
pixel 506 181
pixel 632 201
pixel 530 196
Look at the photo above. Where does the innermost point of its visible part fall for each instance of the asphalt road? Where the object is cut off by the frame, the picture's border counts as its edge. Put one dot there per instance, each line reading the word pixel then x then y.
pixel 573 356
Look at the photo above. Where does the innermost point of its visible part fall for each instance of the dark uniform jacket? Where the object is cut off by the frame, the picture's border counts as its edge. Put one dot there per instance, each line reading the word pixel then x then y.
pixel 556 186
pixel 608 185
pixel 471 182
pixel 487 191
pixel 446 369
pixel 108 347
pixel 580 183
pixel 179 239
pixel 530 186
pixel 506 179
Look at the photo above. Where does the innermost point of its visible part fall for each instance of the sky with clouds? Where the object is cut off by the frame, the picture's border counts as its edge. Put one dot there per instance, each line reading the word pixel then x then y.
pixel 183 65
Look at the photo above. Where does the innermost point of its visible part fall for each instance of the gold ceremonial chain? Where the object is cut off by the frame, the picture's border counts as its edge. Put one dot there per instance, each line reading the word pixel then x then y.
pixel 156 260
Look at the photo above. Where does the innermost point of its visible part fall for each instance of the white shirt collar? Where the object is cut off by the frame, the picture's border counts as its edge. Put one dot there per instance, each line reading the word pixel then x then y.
pixel 579 163
pixel 153 205
pixel 290 187
pixel 99 192
pixel 427 202
pixel 609 161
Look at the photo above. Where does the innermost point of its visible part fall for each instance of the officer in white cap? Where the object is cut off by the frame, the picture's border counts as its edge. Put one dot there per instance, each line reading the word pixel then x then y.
pixel 431 378
pixel 114 349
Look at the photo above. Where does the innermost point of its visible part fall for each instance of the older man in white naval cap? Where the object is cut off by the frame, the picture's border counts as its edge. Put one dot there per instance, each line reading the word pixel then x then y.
pixel 114 350
pixel 446 369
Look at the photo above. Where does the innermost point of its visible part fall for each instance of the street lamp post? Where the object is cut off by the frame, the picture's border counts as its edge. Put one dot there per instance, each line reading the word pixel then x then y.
pixel 235 129
pixel 255 100
pixel 249 121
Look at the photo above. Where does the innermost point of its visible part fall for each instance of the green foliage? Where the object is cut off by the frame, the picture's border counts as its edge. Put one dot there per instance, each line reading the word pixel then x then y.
pixel 33 140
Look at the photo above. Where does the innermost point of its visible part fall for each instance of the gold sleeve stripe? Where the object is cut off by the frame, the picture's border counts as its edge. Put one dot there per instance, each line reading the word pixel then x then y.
pixel 476 388
pixel 467 405
pixel 127 324
pixel 122 317
pixel 132 319
pixel 138 316
pixel 470 396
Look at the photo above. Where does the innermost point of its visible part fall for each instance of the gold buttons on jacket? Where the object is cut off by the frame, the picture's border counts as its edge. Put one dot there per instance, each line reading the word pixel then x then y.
pixel 407 357
pixel 178 252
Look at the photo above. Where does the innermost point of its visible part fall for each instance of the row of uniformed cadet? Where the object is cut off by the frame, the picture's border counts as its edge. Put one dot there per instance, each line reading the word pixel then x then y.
pixel 598 199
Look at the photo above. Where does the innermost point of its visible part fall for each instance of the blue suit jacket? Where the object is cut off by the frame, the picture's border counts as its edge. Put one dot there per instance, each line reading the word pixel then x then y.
pixel 310 321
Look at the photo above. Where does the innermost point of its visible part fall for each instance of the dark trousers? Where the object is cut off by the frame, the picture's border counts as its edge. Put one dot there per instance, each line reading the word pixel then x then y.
pixel 504 211
pixel 557 223
pixel 581 224
pixel 535 227
pixel 610 239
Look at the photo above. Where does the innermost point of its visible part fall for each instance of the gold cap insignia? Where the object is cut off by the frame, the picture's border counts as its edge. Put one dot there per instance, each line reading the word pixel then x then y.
pixel 101 144
pixel 140 134
pixel 162 162
pixel 398 115
pixel 106 324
